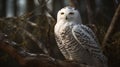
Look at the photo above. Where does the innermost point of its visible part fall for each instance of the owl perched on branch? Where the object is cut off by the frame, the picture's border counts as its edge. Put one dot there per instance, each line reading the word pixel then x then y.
pixel 76 41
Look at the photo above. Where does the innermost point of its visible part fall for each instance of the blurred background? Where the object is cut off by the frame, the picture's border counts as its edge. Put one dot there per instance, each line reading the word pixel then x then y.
pixel 28 22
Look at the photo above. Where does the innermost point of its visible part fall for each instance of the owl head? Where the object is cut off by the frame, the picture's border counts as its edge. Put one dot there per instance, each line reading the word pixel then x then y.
pixel 68 14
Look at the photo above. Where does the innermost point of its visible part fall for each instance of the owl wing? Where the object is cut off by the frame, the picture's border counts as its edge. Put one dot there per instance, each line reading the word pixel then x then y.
pixel 86 38
pixel 88 30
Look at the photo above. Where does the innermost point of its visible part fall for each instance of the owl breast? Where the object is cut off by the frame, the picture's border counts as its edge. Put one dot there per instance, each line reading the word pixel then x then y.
pixel 76 52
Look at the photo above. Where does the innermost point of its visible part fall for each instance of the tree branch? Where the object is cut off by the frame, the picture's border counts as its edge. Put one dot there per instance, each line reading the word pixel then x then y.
pixel 39 60
pixel 12 52
pixel 115 17
pixel 41 46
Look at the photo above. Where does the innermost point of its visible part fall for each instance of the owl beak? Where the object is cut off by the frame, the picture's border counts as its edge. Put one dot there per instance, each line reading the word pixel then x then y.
pixel 66 18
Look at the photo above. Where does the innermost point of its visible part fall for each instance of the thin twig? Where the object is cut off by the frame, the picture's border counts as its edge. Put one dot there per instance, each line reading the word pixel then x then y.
pixel 115 17
pixel 41 46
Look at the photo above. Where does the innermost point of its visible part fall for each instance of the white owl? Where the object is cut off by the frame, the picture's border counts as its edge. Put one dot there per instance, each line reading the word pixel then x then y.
pixel 76 41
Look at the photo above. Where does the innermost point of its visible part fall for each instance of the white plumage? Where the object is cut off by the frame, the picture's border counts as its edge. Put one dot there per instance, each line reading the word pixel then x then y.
pixel 76 41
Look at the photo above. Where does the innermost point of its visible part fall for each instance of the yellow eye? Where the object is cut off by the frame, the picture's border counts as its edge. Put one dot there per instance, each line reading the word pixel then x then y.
pixel 62 13
pixel 71 13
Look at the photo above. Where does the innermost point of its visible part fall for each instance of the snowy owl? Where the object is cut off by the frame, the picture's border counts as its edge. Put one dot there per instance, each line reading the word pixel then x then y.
pixel 76 41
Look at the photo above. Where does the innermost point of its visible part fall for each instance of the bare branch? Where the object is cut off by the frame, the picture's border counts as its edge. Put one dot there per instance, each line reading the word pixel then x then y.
pixel 40 60
pixel 41 46
pixel 115 17
pixel 12 52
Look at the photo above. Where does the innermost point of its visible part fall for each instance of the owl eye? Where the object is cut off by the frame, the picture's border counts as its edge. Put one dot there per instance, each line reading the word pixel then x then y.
pixel 71 13
pixel 62 13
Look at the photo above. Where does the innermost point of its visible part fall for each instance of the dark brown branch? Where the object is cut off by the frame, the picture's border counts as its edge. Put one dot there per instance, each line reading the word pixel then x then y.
pixel 12 52
pixel 115 17
pixel 37 61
